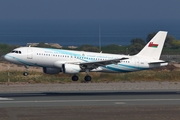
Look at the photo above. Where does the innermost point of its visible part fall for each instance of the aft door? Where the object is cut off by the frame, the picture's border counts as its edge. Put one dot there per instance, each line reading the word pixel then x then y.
pixel 29 53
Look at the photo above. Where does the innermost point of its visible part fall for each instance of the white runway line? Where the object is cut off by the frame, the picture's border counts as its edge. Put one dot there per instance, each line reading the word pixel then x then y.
pixel 6 98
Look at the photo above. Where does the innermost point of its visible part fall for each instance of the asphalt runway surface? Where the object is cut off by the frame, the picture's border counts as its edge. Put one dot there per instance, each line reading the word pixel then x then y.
pixel 88 105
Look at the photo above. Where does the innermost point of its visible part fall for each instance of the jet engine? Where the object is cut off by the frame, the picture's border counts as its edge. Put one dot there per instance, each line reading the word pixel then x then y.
pixel 71 68
pixel 51 70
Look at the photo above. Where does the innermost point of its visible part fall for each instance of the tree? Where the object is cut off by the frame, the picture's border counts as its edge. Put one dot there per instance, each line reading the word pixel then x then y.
pixel 42 44
pixel 88 48
pixel 136 45
pixel 114 48
pixel 138 41
pixel 5 48
pixel 175 44
pixel 169 41
pixel 135 48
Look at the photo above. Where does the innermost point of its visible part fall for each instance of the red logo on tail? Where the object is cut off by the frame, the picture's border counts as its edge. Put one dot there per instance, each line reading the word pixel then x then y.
pixel 152 45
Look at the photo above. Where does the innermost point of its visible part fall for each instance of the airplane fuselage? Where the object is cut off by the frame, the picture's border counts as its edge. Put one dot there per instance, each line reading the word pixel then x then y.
pixel 55 58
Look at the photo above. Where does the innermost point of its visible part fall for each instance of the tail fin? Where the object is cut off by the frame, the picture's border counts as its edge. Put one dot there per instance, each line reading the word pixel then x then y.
pixel 154 48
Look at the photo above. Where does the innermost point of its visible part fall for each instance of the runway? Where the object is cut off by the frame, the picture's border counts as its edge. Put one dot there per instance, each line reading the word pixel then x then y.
pixel 89 98
pixel 106 105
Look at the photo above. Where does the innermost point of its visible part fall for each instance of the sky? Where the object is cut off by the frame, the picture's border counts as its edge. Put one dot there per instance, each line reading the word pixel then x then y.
pixel 89 9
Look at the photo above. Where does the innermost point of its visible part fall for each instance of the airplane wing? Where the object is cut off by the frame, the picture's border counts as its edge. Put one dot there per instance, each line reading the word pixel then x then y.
pixel 92 65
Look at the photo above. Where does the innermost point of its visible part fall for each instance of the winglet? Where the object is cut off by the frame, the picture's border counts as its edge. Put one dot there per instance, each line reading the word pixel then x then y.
pixel 154 48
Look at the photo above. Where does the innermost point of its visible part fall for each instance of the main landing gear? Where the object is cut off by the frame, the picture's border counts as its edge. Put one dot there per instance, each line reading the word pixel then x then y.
pixel 86 78
pixel 75 78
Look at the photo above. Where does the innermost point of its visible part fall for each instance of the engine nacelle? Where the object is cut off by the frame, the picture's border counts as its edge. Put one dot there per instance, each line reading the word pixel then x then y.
pixel 51 70
pixel 71 68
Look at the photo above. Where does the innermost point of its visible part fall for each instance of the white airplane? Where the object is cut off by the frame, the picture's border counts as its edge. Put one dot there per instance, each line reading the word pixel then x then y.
pixel 54 61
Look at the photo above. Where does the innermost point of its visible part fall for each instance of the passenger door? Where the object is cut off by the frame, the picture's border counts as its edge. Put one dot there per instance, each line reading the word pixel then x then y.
pixel 29 53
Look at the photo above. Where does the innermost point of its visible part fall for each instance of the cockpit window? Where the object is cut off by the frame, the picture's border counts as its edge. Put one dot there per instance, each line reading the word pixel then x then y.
pixel 15 51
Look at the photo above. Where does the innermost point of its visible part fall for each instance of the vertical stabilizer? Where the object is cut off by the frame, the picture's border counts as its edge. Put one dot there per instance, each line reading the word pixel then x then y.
pixel 154 48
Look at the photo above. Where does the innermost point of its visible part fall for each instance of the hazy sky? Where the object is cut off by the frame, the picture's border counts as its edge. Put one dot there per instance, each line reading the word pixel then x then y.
pixel 89 9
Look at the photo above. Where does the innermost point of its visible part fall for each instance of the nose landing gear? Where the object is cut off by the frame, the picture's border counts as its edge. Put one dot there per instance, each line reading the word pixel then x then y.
pixel 26 71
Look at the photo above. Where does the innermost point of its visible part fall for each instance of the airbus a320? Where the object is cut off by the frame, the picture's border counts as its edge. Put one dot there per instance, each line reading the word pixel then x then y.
pixel 54 61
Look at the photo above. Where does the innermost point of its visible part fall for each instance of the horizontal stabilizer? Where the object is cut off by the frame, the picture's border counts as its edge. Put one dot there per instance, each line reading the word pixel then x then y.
pixel 158 62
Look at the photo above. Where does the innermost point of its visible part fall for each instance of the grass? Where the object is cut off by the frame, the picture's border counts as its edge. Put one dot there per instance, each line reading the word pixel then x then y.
pixel 39 77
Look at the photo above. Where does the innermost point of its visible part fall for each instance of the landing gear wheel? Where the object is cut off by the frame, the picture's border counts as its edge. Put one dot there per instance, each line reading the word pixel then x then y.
pixel 75 78
pixel 87 78
pixel 25 73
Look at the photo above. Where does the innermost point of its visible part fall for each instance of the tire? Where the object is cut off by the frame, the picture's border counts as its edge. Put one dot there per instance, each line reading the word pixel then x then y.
pixel 25 73
pixel 75 78
pixel 87 78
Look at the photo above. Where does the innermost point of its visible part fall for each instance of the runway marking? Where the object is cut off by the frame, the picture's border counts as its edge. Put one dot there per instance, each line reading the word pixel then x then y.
pixel 6 98
pixel 119 103
pixel 22 94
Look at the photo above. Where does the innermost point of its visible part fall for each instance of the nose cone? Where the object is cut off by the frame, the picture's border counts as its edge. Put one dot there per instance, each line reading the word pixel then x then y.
pixel 6 57
pixel 9 58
